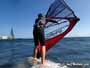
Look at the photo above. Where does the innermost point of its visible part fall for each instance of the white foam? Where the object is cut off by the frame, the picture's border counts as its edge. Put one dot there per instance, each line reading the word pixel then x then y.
pixel 49 64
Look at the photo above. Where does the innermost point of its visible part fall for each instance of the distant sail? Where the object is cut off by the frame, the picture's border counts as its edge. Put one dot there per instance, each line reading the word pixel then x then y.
pixel 12 34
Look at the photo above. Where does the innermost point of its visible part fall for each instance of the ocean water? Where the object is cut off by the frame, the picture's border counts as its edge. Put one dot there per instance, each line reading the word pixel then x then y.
pixel 67 50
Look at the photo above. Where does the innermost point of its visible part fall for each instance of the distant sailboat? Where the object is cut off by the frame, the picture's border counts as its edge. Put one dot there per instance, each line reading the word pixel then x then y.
pixel 12 36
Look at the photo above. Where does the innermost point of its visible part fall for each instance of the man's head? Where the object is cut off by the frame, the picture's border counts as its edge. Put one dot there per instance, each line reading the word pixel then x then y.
pixel 40 15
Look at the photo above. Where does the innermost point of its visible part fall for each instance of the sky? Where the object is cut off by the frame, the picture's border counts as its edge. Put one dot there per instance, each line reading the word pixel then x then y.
pixel 21 15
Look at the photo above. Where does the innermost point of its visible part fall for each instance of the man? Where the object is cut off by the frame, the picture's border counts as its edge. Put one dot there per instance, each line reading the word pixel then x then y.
pixel 38 34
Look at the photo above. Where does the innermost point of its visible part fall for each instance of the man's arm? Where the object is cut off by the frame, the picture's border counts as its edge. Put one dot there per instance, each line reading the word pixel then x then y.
pixel 50 20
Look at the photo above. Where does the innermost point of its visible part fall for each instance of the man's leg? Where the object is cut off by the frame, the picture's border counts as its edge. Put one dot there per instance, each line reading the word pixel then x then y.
pixel 35 52
pixel 43 48
pixel 34 55
pixel 43 54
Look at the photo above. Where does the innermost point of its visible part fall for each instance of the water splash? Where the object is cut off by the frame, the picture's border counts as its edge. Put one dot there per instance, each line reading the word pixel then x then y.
pixel 49 64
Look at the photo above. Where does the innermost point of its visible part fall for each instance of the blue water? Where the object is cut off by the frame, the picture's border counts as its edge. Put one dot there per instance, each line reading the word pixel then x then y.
pixel 75 49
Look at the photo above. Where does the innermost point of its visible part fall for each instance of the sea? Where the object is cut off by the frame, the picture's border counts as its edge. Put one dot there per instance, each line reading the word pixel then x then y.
pixel 68 50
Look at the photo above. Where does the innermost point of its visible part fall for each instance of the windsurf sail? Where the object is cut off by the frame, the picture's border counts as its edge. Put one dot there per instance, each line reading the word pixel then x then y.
pixel 64 15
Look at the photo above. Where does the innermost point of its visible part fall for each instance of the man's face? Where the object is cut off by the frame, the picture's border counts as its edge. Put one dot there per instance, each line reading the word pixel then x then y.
pixel 43 17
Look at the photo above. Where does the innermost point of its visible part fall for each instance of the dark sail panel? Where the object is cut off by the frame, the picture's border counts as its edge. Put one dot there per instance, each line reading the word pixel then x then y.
pixel 60 9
